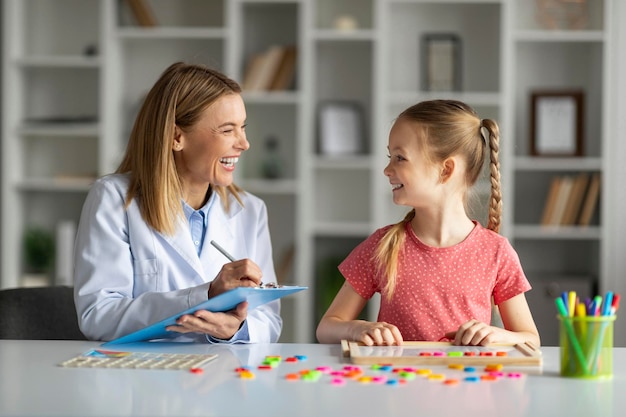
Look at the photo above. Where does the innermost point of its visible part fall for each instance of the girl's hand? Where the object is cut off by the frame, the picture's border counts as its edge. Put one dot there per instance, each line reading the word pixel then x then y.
pixel 376 333
pixel 241 273
pixel 220 325
pixel 477 333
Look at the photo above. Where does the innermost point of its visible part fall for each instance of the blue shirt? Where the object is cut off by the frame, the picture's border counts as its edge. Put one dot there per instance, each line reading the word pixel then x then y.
pixel 198 221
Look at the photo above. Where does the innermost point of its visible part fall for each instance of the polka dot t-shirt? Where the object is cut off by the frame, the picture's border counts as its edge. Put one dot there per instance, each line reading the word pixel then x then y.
pixel 438 289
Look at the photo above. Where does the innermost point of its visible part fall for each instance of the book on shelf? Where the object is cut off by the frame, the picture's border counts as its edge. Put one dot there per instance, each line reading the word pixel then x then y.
pixel 553 193
pixel 565 188
pixel 573 206
pixel 591 201
pixel 571 200
pixel 142 12
pixel 285 72
pixel 272 69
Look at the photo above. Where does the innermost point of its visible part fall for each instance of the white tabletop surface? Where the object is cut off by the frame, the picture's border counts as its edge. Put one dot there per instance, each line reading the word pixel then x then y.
pixel 31 384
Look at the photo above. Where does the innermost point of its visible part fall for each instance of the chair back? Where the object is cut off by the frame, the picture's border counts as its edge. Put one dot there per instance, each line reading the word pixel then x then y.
pixel 41 313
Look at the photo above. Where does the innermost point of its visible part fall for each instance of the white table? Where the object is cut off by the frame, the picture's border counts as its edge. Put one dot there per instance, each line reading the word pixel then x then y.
pixel 31 384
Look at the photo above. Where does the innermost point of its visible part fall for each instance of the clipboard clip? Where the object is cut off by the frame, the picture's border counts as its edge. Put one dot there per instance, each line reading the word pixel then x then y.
pixel 269 285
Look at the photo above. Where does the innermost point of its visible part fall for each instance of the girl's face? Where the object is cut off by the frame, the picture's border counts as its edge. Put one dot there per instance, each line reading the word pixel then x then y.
pixel 412 177
pixel 207 152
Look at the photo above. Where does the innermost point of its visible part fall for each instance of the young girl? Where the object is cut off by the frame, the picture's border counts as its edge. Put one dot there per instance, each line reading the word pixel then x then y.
pixel 437 270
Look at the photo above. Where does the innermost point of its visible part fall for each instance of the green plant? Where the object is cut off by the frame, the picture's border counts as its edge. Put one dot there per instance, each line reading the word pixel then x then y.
pixel 38 249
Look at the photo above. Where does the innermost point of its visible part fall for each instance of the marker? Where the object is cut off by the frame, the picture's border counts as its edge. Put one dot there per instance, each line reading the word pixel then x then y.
pixel 565 299
pixel 597 301
pixel 608 301
pixel 571 303
pixel 223 251
pixel 615 304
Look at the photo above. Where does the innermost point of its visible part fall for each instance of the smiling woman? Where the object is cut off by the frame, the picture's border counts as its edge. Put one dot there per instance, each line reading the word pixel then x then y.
pixel 140 250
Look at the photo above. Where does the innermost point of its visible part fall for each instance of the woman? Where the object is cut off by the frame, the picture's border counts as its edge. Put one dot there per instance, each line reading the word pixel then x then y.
pixel 142 251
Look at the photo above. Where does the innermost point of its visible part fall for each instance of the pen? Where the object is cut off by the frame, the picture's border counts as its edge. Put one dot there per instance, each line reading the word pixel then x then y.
pixel 223 251
pixel 226 254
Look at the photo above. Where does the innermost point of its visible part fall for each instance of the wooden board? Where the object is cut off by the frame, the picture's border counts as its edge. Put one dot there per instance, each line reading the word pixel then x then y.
pixel 443 353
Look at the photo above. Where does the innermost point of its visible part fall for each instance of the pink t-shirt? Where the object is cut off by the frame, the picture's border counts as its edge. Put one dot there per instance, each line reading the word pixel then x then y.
pixel 438 289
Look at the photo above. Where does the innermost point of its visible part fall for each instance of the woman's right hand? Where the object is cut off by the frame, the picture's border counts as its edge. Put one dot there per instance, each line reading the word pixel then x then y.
pixel 241 273
pixel 376 333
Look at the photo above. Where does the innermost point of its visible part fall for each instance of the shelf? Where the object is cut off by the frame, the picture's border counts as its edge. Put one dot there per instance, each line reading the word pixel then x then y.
pixel 534 232
pixel 407 98
pixel 171 33
pixel 59 129
pixel 527 163
pixel 56 185
pixel 343 229
pixel 348 162
pixel 59 61
pixel 344 35
pixel 272 97
pixel 278 186
pixel 559 36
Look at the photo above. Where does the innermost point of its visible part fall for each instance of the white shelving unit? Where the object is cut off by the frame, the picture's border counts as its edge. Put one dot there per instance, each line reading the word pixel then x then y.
pixel 88 61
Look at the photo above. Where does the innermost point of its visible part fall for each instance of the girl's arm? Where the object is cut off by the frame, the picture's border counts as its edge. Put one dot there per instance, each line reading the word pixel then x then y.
pixel 517 318
pixel 339 322
pixel 519 327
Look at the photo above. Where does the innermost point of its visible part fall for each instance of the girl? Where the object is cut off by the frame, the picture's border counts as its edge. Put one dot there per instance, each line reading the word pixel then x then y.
pixel 437 270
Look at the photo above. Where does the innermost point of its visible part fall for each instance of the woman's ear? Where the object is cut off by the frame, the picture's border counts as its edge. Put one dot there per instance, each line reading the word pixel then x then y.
pixel 177 145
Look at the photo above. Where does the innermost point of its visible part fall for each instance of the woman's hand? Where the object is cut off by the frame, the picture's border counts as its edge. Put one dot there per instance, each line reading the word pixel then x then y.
pixel 241 273
pixel 376 333
pixel 220 325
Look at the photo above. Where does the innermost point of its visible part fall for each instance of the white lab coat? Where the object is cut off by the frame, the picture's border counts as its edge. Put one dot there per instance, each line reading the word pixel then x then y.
pixel 128 276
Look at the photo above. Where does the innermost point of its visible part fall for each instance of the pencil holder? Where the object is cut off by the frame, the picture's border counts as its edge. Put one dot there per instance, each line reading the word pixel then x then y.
pixel 586 345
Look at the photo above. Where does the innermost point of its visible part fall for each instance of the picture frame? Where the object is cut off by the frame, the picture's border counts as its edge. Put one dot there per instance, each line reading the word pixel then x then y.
pixel 340 128
pixel 556 123
pixel 441 62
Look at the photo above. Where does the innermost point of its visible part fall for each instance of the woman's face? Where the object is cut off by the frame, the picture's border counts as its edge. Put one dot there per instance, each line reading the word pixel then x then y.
pixel 207 153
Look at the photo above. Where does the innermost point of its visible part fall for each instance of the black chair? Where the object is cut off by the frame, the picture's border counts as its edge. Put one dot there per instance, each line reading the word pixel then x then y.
pixel 42 313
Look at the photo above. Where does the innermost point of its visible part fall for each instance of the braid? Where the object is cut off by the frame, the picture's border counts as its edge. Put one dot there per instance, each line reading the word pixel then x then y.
pixel 495 201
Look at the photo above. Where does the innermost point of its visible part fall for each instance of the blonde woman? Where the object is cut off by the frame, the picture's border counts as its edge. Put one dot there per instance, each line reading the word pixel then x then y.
pixel 142 250
pixel 437 270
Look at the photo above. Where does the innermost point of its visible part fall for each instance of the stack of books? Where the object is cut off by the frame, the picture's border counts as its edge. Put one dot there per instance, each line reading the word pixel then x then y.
pixel 571 200
pixel 271 70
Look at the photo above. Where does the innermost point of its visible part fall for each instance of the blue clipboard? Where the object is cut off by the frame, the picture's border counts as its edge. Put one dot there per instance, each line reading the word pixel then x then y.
pixel 255 296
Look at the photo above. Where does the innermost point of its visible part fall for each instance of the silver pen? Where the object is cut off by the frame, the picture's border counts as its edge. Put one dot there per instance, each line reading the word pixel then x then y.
pixel 223 251
pixel 226 254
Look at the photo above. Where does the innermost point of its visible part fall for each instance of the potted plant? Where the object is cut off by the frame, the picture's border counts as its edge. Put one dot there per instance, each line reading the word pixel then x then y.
pixel 38 256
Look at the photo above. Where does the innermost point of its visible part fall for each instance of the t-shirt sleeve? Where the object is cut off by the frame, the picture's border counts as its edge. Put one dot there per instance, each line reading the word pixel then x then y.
pixel 358 268
pixel 511 280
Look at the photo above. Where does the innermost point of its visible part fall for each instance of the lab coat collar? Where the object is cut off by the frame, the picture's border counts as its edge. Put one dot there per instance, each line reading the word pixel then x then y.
pixel 219 229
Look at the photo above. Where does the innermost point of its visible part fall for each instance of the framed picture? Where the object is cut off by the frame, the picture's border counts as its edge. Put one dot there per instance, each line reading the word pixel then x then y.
pixel 556 123
pixel 441 62
pixel 340 128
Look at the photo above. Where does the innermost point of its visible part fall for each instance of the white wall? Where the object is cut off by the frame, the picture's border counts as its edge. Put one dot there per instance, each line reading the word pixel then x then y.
pixel 615 183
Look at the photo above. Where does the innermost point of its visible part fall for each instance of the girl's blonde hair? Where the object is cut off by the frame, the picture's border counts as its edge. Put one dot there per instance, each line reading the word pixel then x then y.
pixel 447 128
pixel 178 98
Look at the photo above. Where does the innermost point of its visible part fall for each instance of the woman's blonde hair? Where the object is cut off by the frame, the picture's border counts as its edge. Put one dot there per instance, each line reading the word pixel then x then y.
pixel 446 128
pixel 178 98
